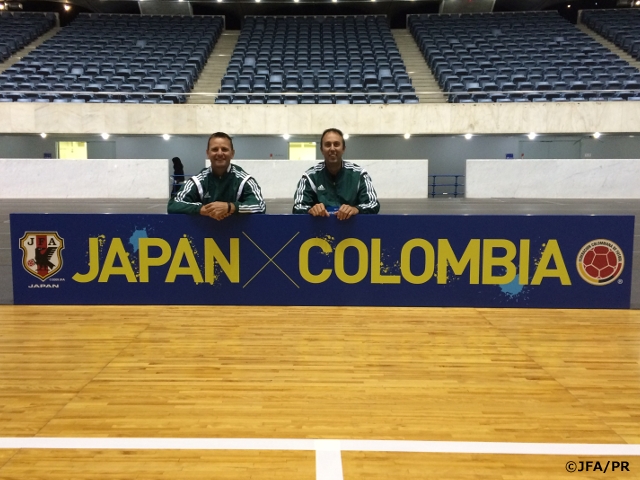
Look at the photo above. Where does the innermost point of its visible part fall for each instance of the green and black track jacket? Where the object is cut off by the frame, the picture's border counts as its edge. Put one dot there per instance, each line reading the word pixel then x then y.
pixel 351 186
pixel 235 186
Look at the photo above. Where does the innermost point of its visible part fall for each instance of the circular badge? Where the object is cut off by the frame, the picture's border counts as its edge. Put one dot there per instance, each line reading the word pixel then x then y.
pixel 600 262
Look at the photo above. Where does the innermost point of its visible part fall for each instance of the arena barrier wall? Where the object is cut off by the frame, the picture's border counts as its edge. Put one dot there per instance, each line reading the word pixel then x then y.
pixel 564 178
pixel 373 119
pixel 53 178
pixel 376 260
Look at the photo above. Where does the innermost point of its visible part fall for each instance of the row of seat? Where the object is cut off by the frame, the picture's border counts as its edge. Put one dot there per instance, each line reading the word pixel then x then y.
pixel 487 97
pixel 321 82
pixel 89 97
pixel 339 99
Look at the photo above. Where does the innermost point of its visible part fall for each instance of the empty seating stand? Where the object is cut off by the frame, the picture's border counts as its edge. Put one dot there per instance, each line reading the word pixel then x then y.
pixel 310 60
pixel 621 27
pixel 519 57
pixel 17 30
pixel 115 59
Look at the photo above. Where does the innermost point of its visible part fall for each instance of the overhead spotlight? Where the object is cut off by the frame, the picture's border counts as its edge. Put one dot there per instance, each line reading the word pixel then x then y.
pixel 1 6
pixel 346 136
pixel 67 7
pixel 569 6
pixel 532 136
pixel 407 136
pixel 296 1
pixel 219 1
pixel 286 136
pixel 258 1
pixel 43 135
pixel 468 136
pixel 597 135
pixel 105 136
pixel 166 136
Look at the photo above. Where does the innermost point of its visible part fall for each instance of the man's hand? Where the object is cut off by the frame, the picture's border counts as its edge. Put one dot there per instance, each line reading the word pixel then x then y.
pixel 217 210
pixel 318 210
pixel 346 211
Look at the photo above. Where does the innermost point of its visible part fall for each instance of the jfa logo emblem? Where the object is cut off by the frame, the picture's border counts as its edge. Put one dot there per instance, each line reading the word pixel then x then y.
pixel 41 253
pixel 600 262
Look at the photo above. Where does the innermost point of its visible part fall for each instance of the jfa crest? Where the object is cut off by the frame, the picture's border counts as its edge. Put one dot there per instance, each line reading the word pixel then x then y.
pixel 41 253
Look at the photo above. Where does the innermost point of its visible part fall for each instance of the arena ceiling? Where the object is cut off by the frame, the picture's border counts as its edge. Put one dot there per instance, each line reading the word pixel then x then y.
pixel 235 10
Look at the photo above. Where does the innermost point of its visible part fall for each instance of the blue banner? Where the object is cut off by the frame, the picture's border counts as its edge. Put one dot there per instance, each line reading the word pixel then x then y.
pixel 376 260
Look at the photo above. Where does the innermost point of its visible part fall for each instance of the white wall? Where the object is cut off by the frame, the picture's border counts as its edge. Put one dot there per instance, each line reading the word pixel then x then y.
pixel 577 178
pixel 423 118
pixel 391 178
pixel 49 178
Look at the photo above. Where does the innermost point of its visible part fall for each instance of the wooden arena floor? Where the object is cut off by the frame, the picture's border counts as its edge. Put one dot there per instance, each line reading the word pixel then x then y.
pixel 423 374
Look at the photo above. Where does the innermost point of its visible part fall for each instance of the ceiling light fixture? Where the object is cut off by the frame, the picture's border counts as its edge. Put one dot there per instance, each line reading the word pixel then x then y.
pixel 43 135
pixel 468 136
pixel 407 136
pixel 346 136
pixel 166 136
pixel 286 136
pixel 597 135
pixel 532 136
pixel 105 136
pixel 67 7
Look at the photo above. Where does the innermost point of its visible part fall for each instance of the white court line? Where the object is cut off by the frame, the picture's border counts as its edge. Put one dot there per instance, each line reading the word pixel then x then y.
pixel 328 452
pixel 328 460
pixel 292 444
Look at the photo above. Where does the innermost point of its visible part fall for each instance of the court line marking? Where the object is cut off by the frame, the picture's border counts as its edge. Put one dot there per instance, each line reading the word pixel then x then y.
pixel 328 460
pixel 407 446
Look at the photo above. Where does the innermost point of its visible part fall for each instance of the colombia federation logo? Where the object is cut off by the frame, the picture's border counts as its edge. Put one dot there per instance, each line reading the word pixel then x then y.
pixel 42 253
pixel 600 262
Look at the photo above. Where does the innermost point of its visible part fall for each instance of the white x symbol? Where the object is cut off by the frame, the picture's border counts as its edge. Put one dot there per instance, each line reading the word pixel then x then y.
pixel 271 260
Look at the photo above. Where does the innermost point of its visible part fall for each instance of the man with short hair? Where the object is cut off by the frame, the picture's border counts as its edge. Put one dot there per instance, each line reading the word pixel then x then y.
pixel 334 185
pixel 220 190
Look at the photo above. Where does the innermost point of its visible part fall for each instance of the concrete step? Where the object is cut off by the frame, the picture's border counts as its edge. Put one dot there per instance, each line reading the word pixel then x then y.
pixel 20 54
pixel 610 45
pixel 422 78
pixel 211 76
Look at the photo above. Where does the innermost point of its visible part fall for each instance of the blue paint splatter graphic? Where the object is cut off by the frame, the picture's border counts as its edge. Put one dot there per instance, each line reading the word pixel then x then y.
pixel 513 288
pixel 137 235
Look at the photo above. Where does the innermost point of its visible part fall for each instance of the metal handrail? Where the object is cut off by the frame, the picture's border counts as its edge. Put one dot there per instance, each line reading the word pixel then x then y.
pixel 456 184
